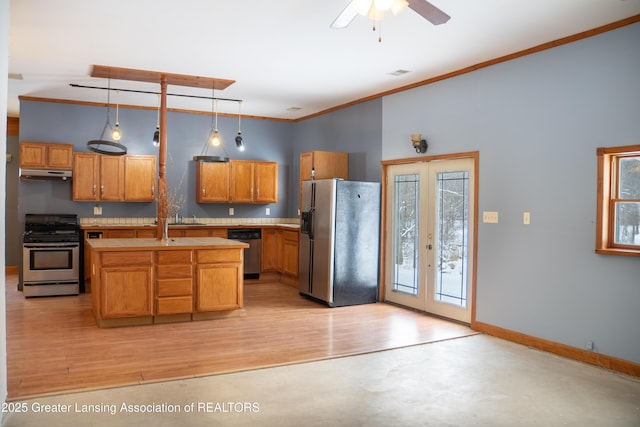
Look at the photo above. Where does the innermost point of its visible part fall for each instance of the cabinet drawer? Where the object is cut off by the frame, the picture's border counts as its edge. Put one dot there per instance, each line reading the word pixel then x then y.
pixel 175 287
pixel 174 257
pixel 174 305
pixel 117 259
pixel 218 255
pixel 174 271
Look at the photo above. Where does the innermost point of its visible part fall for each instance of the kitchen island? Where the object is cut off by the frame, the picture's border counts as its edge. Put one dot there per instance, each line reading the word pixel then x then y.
pixel 146 281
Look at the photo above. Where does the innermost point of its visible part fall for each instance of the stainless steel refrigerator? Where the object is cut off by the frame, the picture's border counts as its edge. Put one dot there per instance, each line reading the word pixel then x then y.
pixel 340 241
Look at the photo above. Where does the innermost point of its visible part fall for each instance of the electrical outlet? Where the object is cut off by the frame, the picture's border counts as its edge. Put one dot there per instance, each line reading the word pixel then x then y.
pixel 490 217
pixel 588 345
pixel 97 210
pixel 526 218
pixel 232 211
pixel 267 211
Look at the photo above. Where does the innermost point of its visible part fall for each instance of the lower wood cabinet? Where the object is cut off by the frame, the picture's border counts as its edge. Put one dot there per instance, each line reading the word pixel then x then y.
pixel 219 275
pixel 290 253
pixel 126 287
pixel 160 285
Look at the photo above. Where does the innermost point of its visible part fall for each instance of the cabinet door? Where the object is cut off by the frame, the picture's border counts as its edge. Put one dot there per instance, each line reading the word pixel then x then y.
pixel 140 178
pixel 126 292
pixel 218 287
pixel 212 182
pixel 290 253
pixel 111 178
pixel 60 156
pixel 271 250
pixel 242 181
pixel 33 155
pixel 86 168
pixel 306 164
pixel 266 182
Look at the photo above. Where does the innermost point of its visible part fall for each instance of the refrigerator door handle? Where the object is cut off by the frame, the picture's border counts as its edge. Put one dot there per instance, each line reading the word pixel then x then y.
pixel 310 223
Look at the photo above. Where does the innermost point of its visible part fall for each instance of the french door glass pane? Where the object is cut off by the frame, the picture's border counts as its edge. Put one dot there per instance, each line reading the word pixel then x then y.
pixel 452 219
pixel 405 233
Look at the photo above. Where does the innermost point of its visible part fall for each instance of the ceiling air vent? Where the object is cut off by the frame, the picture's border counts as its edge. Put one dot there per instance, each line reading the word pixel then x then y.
pixel 399 72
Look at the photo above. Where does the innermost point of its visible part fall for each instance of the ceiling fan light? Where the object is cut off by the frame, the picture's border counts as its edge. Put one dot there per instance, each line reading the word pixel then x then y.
pixel 362 6
pixel 398 6
pixel 375 14
pixel 382 4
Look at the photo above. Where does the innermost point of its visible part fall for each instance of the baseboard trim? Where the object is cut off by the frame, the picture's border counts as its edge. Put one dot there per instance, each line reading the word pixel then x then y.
pixel 11 269
pixel 591 357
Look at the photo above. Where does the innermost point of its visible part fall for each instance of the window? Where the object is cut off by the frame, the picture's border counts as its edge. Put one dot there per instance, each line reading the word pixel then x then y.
pixel 618 214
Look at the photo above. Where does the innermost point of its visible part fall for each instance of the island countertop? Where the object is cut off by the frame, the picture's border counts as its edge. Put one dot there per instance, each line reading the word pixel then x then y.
pixel 172 243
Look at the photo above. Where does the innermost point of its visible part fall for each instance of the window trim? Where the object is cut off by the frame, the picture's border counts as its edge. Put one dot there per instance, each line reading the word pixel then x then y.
pixel 604 214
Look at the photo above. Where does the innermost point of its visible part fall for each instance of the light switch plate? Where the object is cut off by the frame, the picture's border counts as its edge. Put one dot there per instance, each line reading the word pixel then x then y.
pixel 490 217
pixel 232 212
pixel 267 211
pixel 97 210
pixel 526 218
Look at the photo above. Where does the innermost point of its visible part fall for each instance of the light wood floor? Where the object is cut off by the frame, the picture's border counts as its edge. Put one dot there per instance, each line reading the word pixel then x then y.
pixel 54 346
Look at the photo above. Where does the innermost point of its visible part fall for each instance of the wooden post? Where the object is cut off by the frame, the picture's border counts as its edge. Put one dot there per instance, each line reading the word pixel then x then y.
pixel 163 208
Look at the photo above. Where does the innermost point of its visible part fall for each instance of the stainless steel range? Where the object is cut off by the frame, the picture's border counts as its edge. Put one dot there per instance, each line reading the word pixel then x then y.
pixel 51 255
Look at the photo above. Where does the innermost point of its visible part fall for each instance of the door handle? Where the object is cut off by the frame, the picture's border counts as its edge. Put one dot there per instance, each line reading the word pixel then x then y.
pixel 429 246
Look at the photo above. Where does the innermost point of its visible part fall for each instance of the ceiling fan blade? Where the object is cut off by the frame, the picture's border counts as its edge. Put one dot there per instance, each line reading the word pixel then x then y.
pixel 428 11
pixel 346 16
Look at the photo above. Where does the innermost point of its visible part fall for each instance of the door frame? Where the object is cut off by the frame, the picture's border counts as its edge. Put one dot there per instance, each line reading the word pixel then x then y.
pixel 475 156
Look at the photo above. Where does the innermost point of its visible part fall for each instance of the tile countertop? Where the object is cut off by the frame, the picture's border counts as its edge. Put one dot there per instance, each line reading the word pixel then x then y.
pixel 175 242
pixel 88 223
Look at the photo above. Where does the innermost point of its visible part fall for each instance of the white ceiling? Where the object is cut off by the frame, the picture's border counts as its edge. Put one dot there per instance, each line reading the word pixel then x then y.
pixel 281 53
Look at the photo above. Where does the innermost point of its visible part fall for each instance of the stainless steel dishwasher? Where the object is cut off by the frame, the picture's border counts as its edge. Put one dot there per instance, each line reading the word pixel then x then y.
pixel 252 254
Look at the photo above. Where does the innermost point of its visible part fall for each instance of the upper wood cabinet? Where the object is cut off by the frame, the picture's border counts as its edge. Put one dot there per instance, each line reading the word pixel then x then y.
pixel 139 178
pixel 113 178
pixel 212 182
pixel 46 155
pixel 97 177
pixel 325 164
pixel 239 181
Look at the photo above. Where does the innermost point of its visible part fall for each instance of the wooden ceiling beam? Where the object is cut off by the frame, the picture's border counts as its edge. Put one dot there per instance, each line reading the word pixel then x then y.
pixel 117 73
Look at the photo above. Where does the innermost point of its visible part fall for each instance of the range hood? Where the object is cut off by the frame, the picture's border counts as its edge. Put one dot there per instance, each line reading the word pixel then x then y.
pixel 45 174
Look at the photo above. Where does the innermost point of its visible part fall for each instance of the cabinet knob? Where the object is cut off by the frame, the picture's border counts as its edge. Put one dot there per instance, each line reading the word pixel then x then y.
pixel 153 191
pixel 94 189
pixel 102 190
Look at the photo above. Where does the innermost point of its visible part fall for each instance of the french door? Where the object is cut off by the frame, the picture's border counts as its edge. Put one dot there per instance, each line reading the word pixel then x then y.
pixel 430 220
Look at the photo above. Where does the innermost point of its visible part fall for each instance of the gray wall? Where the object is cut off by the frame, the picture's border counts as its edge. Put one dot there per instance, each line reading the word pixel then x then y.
pixel 356 130
pixel 4 70
pixel 13 234
pixel 536 122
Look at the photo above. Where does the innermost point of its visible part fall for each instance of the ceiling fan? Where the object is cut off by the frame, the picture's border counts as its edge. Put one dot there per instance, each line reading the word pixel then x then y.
pixel 374 9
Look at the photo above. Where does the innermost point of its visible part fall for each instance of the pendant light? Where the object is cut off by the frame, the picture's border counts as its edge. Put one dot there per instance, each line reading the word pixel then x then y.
pixel 156 134
pixel 116 134
pixel 239 143
pixel 102 146
pixel 214 138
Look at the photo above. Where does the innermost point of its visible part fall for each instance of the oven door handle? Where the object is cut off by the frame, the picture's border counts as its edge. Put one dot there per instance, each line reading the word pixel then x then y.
pixel 52 246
